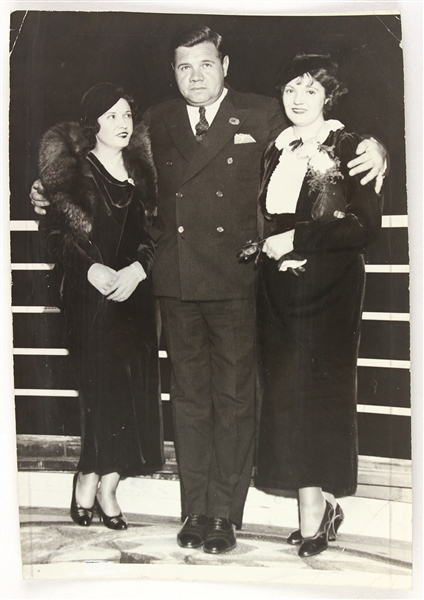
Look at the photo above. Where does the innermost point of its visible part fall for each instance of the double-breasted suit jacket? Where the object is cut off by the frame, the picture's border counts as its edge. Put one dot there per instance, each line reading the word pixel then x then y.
pixel 207 195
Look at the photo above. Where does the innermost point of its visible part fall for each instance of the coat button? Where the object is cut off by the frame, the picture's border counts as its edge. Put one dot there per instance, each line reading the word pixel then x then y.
pixel 230 161
pixel 179 195
pixel 180 229
pixel 219 194
pixel 220 229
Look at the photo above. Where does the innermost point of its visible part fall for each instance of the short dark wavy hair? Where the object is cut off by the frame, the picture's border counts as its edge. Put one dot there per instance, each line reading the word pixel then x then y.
pixel 319 67
pixel 192 36
pixel 91 126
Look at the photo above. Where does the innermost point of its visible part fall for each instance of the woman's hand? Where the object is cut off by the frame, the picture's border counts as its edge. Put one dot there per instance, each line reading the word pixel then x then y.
pixel 372 155
pixel 38 199
pixel 277 245
pixel 101 277
pixel 127 279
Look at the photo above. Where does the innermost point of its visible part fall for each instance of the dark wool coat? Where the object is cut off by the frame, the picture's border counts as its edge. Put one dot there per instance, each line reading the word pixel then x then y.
pixel 94 218
pixel 309 330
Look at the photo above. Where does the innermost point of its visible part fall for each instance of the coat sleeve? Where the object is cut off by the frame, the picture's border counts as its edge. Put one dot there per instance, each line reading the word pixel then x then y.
pixel 362 221
pixel 137 243
pixel 66 250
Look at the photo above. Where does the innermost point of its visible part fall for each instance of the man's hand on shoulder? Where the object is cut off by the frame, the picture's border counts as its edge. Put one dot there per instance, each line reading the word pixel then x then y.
pixel 372 157
pixel 38 199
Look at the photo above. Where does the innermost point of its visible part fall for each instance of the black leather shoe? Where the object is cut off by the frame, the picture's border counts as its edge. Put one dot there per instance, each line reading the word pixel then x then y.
pixel 118 522
pixel 295 538
pixel 319 542
pixel 220 536
pixel 192 534
pixel 338 518
pixel 80 516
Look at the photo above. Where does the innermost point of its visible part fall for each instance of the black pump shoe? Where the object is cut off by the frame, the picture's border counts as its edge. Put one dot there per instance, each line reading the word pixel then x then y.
pixel 117 522
pixel 81 516
pixel 295 538
pixel 319 542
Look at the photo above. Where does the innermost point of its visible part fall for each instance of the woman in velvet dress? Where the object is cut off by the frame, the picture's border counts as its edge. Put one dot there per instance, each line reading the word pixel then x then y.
pixel 100 180
pixel 318 221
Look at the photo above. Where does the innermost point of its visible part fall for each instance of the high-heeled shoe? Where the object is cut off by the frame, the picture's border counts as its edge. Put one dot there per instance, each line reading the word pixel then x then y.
pixel 295 538
pixel 80 515
pixel 116 522
pixel 338 518
pixel 319 542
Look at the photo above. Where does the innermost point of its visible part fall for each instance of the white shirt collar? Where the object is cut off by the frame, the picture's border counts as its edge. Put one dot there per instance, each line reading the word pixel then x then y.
pixel 211 110
pixel 288 136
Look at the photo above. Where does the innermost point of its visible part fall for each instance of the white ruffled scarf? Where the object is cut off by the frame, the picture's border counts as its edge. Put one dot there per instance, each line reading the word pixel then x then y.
pixel 287 179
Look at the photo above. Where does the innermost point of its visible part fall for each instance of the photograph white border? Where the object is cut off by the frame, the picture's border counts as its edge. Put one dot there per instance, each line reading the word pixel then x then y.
pixel 12 584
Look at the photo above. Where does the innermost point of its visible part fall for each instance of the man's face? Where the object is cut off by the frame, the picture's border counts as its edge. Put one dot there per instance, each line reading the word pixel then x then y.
pixel 200 73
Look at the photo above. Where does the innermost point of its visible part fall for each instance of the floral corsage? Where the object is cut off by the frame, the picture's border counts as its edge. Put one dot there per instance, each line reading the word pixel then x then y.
pixel 323 166
pixel 324 178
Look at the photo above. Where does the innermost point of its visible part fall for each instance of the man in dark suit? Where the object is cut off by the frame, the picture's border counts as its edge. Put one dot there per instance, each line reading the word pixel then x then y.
pixel 207 146
pixel 208 176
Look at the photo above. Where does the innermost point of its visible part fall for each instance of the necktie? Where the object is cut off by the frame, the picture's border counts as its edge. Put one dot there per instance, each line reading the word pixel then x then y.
pixel 202 126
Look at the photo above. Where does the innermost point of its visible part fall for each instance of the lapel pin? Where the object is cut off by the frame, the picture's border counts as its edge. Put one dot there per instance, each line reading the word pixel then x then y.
pixel 234 121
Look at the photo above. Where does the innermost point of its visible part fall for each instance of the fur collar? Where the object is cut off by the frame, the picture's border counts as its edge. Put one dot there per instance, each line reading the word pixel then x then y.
pixel 66 176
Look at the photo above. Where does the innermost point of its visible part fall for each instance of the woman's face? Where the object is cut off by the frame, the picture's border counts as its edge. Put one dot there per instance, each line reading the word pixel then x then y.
pixel 303 100
pixel 116 126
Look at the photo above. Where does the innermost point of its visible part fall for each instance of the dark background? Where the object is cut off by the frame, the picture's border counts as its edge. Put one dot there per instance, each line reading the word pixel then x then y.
pixel 57 56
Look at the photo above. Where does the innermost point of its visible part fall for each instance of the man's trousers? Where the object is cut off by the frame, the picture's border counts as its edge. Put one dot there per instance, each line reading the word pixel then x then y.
pixel 211 346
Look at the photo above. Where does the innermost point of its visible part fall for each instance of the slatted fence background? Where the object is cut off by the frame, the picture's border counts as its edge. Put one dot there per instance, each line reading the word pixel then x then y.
pixel 56 56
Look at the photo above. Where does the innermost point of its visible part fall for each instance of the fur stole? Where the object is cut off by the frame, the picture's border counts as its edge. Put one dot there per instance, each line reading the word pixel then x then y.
pixel 66 176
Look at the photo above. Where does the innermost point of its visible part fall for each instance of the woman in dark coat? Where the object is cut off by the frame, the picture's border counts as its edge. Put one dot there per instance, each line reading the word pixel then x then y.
pixel 311 287
pixel 100 180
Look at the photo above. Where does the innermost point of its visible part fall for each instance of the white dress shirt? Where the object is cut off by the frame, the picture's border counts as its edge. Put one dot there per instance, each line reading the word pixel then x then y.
pixel 211 110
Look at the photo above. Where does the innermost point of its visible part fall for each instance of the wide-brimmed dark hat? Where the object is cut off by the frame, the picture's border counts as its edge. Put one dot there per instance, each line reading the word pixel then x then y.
pixel 304 63
pixel 99 99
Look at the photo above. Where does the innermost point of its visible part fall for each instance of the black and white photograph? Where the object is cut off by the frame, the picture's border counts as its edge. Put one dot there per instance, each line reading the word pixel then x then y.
pixel 210 301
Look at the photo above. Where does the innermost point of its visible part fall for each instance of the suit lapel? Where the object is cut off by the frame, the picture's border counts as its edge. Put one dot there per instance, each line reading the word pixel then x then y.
pixel 179 129
pixel 226 124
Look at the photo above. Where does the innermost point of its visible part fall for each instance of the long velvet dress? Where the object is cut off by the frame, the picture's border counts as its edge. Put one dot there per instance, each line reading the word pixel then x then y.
pixel 309 332
pixel 114 344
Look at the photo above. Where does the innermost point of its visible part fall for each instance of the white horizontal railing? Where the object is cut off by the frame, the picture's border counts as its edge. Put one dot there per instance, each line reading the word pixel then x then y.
pixel 384 410
pixel 32 266
pixel 388 221
pixel 386 268
pixel 394 221
pixel 22 225
pixel 385 316
pixel 385 363
pixel 366 316
pixel 40 351
pixel 362 362
pixel 361 408
pixel 35 309
pixel 46 392
pixel 368 268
